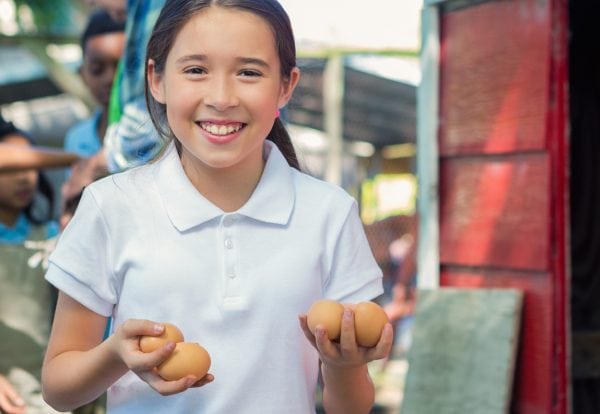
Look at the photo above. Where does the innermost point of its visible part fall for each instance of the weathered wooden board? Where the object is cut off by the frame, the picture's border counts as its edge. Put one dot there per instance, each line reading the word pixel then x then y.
pixel 532 391
pixel 462 356
pixel 494 211
pixel 494 96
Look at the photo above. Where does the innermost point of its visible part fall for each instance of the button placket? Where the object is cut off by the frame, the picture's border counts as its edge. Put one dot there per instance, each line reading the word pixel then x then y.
pixel 231 275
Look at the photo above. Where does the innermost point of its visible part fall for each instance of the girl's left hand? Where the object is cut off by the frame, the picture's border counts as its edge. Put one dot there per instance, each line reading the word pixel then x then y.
pixel 346 353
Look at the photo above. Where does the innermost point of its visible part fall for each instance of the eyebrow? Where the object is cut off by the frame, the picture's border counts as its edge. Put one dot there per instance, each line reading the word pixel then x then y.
pixel 244 60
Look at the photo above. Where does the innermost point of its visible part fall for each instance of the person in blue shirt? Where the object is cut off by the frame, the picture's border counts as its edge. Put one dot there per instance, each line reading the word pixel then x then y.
pixel 27 235
pixel 130 139
pixel 102 44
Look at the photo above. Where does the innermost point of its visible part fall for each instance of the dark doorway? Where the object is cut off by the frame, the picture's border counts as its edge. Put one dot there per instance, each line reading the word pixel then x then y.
pixel 584 74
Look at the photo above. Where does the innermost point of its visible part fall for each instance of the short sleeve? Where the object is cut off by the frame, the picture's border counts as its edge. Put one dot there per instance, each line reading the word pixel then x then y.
pixel 354 275
pixel 80 266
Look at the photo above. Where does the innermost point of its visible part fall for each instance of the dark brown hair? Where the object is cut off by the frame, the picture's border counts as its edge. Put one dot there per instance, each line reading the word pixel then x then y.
pixel 173 17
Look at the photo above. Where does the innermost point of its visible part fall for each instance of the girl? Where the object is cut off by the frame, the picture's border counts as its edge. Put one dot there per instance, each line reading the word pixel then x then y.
pixel 26 300
pixel 222 236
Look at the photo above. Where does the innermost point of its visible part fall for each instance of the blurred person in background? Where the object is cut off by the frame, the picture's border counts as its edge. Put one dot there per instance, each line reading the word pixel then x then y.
pixel 130 139
pixel 102 45
pixel 27 233
pixel 401 288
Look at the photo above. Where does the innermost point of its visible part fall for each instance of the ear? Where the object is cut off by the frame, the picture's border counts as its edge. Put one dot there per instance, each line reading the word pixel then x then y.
pixel 287 89
pixel 155 83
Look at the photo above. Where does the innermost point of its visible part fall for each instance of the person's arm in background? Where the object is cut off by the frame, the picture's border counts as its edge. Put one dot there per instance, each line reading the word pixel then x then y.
pixel 19 157
pixel 10 401
pixel 403 298
pixel 130 142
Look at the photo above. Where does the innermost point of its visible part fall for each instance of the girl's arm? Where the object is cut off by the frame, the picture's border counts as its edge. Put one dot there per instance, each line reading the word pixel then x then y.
pixel 79 367
pixel 347 386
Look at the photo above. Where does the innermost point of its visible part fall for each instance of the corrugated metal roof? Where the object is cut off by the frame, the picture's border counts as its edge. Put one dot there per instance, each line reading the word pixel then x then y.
pixel 18 65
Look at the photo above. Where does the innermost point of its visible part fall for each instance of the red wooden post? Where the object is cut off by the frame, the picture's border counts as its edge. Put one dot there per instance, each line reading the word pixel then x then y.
pixel 503 175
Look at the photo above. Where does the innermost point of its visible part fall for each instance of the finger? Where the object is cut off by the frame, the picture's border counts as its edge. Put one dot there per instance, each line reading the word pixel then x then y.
pixel 169 387
pixel 208 378
pixel 9 398
pixel 307 333
pixel 384 346
pixel 140 327
pixel 8 406
pixel 348 336
pixel 324 344
pixel 147 361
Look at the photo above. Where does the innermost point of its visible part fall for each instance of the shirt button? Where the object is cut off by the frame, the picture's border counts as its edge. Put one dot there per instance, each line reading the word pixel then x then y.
pixel 228 243
pixel 231 275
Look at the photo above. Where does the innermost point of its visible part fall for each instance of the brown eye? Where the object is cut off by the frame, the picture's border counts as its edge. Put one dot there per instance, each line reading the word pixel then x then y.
pixel 250 73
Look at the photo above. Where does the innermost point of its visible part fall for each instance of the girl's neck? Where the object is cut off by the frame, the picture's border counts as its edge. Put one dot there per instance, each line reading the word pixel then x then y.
pixel 9 217
pixel 229 189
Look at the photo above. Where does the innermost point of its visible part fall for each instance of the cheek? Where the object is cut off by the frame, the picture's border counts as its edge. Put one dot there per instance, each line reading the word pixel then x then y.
pixel 5 185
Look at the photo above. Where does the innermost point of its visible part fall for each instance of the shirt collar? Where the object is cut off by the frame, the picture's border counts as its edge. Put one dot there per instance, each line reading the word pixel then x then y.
pixel 272 201
pixel 16 234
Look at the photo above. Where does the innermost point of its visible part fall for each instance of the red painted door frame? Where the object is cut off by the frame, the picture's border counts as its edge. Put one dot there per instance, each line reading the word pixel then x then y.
pixel 504 189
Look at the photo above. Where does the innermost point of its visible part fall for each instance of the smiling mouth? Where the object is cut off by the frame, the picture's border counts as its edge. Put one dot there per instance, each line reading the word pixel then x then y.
pixel 220 129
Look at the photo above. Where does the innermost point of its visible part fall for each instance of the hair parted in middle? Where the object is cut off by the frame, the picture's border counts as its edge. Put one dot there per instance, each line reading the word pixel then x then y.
pixel 176 13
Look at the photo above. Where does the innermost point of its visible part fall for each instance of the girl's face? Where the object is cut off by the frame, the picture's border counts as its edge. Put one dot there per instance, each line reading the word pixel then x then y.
pixel 222 87
pixel 17 188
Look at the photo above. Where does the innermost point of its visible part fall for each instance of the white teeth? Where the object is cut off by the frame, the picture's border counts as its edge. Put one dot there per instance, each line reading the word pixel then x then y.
pixel 220 129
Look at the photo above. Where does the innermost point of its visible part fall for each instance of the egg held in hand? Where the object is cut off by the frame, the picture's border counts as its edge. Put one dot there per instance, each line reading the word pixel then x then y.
pixel 170 334
pixel 188 358
pixel 327 313
pixel 369 321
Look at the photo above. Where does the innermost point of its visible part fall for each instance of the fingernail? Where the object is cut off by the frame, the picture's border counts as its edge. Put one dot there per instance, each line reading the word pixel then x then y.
pixel 347 313
pixel 158 328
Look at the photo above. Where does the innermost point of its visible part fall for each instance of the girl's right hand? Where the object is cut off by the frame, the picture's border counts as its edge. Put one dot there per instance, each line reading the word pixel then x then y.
pixel 10 401
pixel 125 344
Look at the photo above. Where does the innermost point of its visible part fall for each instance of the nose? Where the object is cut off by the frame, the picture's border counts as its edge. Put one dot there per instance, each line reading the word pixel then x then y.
pixel 25 177
pixel 221 93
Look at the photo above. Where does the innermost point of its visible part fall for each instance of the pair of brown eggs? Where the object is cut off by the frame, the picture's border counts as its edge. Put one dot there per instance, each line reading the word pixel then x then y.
pixel 188 358
pixel 369 320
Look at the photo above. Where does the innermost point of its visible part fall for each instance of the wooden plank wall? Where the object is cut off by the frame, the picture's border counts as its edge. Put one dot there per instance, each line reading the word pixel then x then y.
pixel 497 197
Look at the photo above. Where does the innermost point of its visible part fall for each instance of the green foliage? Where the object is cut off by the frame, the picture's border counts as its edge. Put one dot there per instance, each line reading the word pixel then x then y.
pixel 55 16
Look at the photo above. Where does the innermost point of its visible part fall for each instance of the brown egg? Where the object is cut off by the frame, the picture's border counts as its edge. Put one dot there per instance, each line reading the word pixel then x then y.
pixel 188 358
pixel 327 313
pixel 369 320
pixel 151 343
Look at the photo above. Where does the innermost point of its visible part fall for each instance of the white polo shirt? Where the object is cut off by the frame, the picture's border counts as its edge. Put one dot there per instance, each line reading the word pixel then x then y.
pixel 145 244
